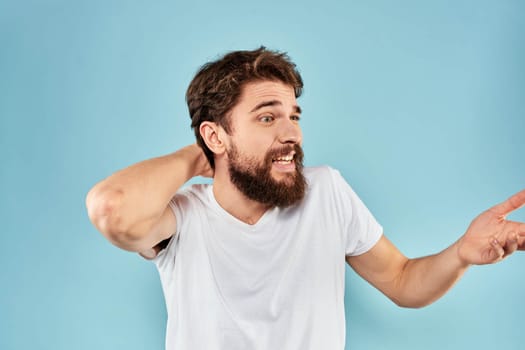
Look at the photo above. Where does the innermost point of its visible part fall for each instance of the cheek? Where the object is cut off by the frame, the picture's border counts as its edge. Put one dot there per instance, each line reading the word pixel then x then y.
pixel 255 144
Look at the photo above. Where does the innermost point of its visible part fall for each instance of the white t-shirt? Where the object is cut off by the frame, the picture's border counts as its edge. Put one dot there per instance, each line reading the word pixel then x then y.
pixel 277 284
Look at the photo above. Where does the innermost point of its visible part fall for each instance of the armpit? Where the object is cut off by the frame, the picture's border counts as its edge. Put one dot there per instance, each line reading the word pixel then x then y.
pixel 152 252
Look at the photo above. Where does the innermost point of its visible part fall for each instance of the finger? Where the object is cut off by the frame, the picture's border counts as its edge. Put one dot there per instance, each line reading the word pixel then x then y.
pixel 521 241
pixel 512 203
pixel 518 227
pixel 498 250
pixel 512 243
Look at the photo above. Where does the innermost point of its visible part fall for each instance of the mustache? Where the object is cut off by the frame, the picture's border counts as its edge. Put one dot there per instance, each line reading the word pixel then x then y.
pixel 285 150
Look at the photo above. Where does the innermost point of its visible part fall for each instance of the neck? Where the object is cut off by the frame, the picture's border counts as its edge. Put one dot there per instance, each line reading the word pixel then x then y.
pixel 235 202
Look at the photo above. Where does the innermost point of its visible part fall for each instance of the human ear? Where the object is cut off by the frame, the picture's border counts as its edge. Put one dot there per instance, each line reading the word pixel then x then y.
pixel 213 135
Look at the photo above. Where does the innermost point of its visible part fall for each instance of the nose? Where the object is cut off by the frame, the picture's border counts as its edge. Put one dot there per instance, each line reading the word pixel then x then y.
pixel 290 132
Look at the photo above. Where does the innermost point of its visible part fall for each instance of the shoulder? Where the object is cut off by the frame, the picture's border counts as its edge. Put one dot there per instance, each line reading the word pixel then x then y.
pixel 192 196
pixel 316 172
pixel 194 192
pixel 323 183
pixel 321 175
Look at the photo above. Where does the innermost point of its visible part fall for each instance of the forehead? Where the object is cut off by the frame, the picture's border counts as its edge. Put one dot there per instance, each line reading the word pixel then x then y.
pixel 259 91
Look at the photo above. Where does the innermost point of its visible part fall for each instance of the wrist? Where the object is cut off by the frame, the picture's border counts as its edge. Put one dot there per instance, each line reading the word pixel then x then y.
pixel 456 250
pixel 191 158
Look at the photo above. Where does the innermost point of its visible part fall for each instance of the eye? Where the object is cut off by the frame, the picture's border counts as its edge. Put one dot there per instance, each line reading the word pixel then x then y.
pixel 266 119
pixel 295 118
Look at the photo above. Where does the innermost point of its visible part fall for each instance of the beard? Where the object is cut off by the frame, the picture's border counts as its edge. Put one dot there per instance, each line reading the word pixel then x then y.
pixel 256 182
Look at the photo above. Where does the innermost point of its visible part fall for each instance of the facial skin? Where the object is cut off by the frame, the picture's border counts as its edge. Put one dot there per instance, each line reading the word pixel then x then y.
pixel 264 153
pixel 256 182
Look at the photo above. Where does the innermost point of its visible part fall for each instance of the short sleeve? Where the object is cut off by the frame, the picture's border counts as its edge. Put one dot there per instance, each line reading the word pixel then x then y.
pixel 361 231
pixel 165 258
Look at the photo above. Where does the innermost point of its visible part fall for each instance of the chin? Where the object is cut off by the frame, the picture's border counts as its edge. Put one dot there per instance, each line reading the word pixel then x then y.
pixel 279 175
pixel 288 177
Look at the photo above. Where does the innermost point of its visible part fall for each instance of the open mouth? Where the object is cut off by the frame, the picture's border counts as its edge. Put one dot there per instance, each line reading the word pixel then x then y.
pixel 284 159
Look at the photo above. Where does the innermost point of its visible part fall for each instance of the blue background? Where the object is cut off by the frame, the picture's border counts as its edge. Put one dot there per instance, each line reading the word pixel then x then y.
pixel 420 104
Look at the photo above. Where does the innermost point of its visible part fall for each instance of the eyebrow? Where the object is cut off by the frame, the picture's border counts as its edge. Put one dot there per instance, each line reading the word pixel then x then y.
pixel 272 103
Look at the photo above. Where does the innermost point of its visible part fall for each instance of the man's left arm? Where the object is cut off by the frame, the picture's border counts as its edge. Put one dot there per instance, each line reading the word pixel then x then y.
pixel 418 282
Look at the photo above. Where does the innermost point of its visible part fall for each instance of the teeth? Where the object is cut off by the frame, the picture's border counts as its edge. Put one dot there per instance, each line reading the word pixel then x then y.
pixel 285 158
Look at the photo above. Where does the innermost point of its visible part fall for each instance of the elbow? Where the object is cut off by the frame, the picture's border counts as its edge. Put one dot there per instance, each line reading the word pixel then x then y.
pixel 409 295
pixel 104 211
pixel 407 305
pixel 410 303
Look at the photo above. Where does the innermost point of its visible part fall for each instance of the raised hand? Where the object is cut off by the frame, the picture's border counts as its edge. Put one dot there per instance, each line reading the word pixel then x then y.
pixel 490 237
pixel 200 164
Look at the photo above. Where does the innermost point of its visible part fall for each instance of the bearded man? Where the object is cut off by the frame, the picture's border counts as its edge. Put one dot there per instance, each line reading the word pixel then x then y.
pixel 257 259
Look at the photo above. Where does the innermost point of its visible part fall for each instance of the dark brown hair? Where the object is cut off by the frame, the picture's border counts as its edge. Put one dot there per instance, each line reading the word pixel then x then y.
pixel 217 86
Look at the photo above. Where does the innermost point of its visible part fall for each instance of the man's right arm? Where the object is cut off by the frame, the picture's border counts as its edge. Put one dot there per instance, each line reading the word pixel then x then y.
pixel 131 207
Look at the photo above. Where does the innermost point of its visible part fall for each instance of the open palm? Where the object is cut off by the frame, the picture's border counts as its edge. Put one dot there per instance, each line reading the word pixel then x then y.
pixel 490 237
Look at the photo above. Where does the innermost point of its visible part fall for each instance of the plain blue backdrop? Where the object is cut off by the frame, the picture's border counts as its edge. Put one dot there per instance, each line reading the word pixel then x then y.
pixel 420 104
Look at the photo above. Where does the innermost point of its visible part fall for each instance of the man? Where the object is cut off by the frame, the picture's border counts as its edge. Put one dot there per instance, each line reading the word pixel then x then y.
pixel 257 260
